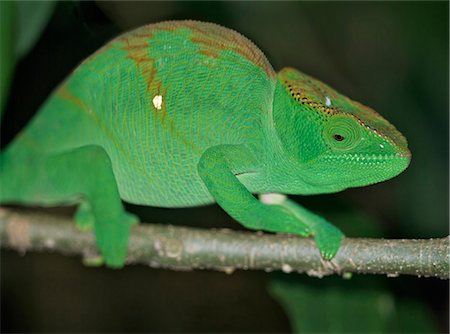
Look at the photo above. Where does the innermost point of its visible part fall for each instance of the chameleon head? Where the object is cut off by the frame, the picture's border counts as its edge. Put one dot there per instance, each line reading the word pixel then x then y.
pixel 338 143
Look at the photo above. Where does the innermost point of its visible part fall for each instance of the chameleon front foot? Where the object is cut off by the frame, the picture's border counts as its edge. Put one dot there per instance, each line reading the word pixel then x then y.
pixel 328 239
pixel 327 236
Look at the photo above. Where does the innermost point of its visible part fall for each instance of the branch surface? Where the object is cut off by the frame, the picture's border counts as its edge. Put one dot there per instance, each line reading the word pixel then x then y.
pixel 182 248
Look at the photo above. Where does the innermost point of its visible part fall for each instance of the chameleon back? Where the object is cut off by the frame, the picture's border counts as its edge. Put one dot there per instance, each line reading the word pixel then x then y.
pixel 155 99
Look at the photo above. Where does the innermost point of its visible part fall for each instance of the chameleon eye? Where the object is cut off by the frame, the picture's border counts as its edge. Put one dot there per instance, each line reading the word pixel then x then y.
pixel 338 137
pixel 342 132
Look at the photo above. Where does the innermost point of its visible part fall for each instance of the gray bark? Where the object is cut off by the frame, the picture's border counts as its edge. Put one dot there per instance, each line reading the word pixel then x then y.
pixel 182 248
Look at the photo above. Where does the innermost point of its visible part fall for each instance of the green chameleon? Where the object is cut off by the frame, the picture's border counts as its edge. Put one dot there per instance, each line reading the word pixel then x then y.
pixel 186 113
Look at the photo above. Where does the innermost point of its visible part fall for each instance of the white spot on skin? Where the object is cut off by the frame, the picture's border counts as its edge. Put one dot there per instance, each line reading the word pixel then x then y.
pixel 157 102
pixel 327 101
pixel 381 145
pixel 272 198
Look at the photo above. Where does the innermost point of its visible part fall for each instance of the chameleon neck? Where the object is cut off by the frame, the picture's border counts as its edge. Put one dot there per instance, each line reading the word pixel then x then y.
pixel 286 153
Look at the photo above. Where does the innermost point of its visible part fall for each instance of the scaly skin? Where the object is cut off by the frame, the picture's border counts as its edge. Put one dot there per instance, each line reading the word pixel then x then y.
pixel 186 113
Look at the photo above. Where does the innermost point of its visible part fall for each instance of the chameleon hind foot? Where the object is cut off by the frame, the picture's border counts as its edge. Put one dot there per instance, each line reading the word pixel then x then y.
pixel 88 172
pixel 112 239
pixel 84 217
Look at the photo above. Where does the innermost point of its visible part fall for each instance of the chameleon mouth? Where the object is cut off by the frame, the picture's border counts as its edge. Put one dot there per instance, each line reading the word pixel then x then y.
pixel 372 159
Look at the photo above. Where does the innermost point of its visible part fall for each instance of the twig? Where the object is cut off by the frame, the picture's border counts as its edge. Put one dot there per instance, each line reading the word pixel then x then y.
pixel 181 248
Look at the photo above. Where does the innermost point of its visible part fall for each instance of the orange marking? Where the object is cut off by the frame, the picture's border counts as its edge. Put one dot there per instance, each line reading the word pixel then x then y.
pixel 137 48
pixel 209 53
pixel 64 93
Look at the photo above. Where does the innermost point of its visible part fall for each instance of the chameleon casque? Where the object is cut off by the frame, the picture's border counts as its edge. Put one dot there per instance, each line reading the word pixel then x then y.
pixel 186 113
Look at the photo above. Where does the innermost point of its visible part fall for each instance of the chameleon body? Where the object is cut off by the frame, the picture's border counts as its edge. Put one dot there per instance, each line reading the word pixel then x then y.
pixel 186 113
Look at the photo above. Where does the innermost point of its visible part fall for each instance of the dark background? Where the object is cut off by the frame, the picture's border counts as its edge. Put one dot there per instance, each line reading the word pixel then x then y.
pixel 392 56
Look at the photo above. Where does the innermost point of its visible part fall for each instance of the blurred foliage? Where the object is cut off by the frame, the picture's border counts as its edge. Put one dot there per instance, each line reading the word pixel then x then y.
pixel 6 49
pixel 334 305
pixel 22 22
pixel 392 56
pixel 32 17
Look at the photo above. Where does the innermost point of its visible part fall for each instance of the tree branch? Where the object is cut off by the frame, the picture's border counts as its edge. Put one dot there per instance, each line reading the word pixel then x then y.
pixel 182 248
